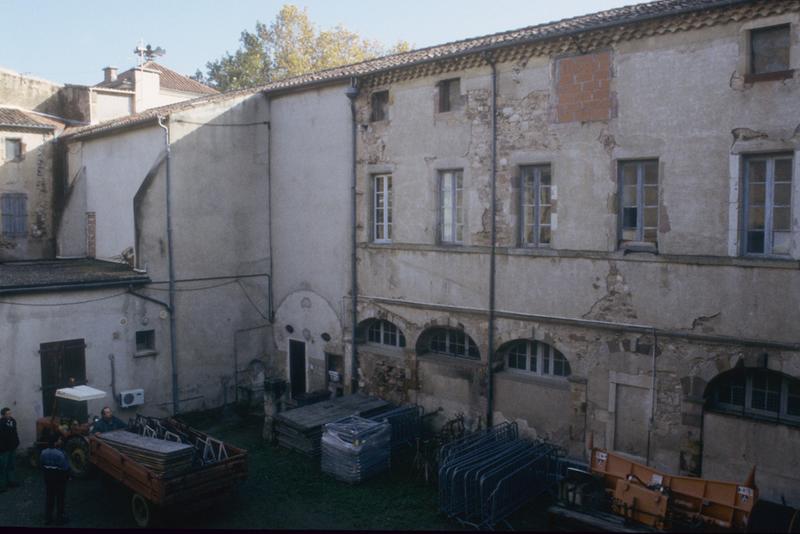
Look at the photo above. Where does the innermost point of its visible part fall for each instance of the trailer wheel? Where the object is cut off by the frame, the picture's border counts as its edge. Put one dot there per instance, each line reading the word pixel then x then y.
pixel 143 510
pixel 78 455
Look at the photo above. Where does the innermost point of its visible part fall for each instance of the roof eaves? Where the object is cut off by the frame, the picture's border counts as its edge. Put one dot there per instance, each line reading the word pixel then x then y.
pixel 74 286
pixel 362 69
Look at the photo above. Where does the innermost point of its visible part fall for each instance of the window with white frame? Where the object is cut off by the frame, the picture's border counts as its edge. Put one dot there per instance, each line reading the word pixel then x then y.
pixel 385 333
pixel 767 204
pixel 638 183
pixel 757 393
pixel 451 210
pixel 13 207
pixel 13 149
pixel 452 342
pixel 536 205
pixel 382 202
pixel 537 358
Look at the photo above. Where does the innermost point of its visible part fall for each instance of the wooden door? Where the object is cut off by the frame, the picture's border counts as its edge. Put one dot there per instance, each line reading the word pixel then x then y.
pixel 297 367
pixel 61 361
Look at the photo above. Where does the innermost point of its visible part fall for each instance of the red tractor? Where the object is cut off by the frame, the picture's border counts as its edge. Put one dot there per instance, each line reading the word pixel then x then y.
pixel 71 424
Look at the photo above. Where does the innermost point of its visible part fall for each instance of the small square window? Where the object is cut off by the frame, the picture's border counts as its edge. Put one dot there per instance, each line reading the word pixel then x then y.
pixel 449 95
pixel 380 106
pixel 145 341
pixel 769 49
pixel 13 149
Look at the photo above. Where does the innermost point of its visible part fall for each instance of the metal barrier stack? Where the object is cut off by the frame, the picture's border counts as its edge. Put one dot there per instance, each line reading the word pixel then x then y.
pixel 486 476
pixel 354 448
pixel 406 422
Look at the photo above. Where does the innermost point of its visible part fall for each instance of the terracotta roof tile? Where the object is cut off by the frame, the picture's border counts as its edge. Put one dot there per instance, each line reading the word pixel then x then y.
pixel 169 80
pixel 20 119
pixel 18 277
pixel 625 18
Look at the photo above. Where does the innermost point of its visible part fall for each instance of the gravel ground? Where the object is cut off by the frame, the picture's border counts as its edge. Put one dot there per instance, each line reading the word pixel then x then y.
pixel 284 490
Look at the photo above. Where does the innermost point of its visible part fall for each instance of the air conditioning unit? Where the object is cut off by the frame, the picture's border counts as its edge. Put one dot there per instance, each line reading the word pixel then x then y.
pixel 131 397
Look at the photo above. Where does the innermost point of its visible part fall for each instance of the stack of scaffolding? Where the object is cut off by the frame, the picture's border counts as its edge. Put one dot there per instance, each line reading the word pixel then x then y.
pixel 301 429
pixel 354 448
pixel 406 422
pixel 163 457
pixel 486 476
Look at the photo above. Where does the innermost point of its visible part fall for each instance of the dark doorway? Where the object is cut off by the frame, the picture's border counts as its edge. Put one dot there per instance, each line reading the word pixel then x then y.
pixel 297 367
pixel 62 361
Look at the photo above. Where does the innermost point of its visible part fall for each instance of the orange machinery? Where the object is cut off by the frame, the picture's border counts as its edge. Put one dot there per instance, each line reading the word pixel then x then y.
pixel 645 495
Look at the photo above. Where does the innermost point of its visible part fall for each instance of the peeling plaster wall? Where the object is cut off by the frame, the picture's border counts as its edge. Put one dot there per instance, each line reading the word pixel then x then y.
pixel 115 167
pixel 220 243
pixel 311 170
pixel 675 98
pixel 33 176
pixel 107 326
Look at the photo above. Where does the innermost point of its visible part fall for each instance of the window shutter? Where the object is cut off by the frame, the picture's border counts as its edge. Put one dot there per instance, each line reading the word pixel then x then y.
pixel 8 216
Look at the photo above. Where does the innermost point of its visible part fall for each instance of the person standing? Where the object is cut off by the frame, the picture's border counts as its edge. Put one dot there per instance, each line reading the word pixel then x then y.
pixel 56 471
pixel 9 441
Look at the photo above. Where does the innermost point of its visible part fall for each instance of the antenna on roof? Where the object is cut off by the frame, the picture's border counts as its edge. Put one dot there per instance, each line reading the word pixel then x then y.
pixel 147 53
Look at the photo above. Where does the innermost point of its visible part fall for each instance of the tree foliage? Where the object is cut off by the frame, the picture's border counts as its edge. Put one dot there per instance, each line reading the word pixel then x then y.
pixel 290 46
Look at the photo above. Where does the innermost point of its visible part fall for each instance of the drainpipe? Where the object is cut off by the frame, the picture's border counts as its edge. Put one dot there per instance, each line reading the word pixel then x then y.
pixel 271 312
pixel 493 257
pixel 652 397
pixel 170 261
pixel 352 93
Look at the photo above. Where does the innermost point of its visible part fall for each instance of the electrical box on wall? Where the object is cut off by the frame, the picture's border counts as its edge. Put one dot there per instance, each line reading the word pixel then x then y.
pixel 131 397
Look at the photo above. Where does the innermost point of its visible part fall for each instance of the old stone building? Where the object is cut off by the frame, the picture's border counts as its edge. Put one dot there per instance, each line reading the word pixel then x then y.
pixel 603 209
pixel 588 227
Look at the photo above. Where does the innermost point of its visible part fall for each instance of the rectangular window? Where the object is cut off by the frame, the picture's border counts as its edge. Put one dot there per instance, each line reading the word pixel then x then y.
pixel 449 95
pixel 452 202
pixel 382 202
pixel 638 183
pixel 536 205
pixel 380 105
pixel 767 205
pixel 145 340
pixel 769 49
pixel 13 149
pixel 13 207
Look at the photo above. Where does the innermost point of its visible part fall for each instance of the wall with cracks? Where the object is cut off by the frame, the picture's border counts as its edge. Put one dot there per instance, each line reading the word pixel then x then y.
pixel 669 98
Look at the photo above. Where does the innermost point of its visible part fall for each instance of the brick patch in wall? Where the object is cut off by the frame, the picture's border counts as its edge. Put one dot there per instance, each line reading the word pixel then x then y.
pixel 583 87
pixel 91 234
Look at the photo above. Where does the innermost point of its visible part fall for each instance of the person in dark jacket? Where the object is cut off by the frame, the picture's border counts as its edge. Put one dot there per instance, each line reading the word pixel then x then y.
pixel 108 422
pixel 9 441
pixel 56 472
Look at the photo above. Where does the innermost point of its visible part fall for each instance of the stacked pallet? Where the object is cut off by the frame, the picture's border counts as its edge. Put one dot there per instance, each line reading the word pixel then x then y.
pixel 167 458
pixel 301 429
pixel 354 449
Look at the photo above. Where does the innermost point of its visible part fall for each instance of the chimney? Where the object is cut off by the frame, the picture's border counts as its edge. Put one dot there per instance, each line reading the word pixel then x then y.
pixel 109 74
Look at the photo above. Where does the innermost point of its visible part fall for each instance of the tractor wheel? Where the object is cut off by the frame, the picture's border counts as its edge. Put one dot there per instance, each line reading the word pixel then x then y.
pixel 77 451
pixel 144 512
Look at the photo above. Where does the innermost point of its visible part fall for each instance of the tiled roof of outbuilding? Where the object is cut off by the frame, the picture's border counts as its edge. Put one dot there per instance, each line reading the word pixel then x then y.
pixel 26 276
pixel 668 16
pixel 17 118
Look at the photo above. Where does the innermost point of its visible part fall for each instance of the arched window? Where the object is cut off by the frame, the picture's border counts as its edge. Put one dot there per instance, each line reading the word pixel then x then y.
pixel 537 358
pixel 757 393
pixel 384 332
pixel 451 342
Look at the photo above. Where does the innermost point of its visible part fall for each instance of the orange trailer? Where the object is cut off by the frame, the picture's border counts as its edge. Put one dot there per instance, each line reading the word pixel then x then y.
pixel 659 500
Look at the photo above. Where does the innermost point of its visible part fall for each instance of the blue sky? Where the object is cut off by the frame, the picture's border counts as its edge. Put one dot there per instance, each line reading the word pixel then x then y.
pixel 70 41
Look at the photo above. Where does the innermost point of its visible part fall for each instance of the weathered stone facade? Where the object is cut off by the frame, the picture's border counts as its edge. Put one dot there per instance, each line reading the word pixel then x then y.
pixel 644 331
